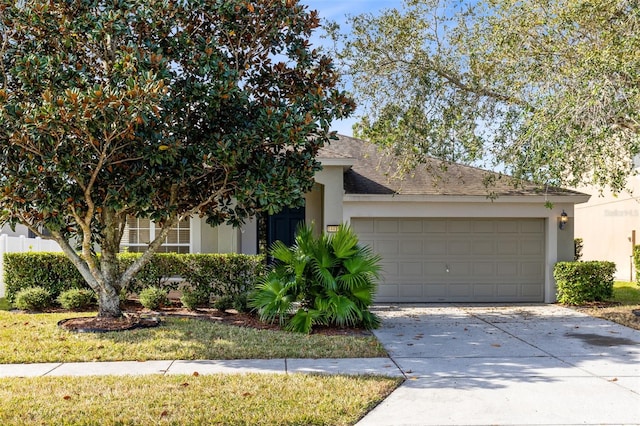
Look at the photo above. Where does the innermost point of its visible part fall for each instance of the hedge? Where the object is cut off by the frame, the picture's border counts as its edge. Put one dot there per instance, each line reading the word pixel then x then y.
pixel 217 274
pixel 51 271
pixel 582 282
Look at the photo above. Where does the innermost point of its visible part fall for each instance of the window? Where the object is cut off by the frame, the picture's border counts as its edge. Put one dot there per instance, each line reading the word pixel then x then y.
pixel 139 232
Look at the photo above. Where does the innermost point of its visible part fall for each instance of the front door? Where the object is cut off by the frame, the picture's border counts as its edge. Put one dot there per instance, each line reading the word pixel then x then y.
pixel 282 226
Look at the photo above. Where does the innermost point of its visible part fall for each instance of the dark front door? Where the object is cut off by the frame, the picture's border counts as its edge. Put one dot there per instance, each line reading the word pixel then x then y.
pixel 282 226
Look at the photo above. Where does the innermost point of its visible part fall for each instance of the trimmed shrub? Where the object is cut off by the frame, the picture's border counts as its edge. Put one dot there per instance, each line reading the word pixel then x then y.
pixel 241 302
pixel 192 299
pixel 153 297
pixel 77 298
pixel 216 274
pixel 157 273
pixel 51 271
pixel 33 299
pixel 582 282
pixel 222 274
pixel 222 303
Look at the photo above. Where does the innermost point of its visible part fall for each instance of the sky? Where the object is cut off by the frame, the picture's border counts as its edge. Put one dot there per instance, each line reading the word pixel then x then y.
pixel 338 10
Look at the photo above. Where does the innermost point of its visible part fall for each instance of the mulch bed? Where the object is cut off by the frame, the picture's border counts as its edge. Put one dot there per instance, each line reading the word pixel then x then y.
pixel 136 316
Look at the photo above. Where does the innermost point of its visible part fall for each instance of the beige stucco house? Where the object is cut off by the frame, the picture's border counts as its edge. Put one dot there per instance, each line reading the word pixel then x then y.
pixel 441 238
pixel 610 226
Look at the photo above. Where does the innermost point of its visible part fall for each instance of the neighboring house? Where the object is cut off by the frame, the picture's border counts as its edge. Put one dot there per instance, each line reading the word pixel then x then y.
pixel 610 226
pixel 441 238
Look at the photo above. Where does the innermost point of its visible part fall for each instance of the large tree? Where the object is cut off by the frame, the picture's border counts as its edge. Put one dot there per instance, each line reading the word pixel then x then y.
pixel 548 90
pixel 165 109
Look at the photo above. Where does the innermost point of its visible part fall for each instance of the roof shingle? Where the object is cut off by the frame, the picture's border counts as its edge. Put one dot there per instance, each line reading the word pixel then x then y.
pixel 374 172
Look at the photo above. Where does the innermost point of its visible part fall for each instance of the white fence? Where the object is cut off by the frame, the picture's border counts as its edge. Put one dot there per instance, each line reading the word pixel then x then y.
pixel 20 245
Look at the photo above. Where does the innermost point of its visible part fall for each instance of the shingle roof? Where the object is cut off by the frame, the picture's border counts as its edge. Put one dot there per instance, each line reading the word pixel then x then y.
pixel 374 169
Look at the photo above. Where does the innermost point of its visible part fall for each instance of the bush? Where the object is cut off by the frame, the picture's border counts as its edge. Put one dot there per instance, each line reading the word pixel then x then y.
pixel 33 299
pixel 327 280
pixel 77 298
pixel 582 282
pixel 222 274
pixel 222 303
pixel 157 273
pixel 153 297
pixel 192 299
pixel 51 271
pixel 241 302
pixel 217 274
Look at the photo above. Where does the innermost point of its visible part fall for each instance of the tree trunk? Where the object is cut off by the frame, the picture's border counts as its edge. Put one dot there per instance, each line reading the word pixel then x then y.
pixel 111 283
pixel 109 303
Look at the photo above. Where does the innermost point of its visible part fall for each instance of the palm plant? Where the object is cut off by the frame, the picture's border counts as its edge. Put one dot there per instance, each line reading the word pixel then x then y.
pixel 329 280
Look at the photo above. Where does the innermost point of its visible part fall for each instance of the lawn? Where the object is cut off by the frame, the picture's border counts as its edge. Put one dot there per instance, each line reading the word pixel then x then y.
pixel 191 400
pixel 176 338
pixel 269 399
pixel 626 299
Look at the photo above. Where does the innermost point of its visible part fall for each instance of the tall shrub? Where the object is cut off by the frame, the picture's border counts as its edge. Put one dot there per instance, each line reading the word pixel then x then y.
pixel 52 271
pixel 327 280
pixel 582 282
pixel 217 274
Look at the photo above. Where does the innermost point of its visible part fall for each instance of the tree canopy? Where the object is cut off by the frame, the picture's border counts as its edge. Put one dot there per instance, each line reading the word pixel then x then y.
pixel 163 109
pixel 548 91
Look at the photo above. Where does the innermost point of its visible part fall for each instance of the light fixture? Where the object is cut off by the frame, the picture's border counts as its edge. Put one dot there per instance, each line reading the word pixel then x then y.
pixel 333 228
pixel 564 218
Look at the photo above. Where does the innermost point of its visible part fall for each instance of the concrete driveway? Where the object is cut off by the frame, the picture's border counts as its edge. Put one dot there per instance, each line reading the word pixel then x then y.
pixel 508 365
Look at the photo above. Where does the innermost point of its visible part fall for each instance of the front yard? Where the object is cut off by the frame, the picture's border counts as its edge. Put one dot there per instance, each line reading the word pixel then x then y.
pixel 621 308
pixel 176 338
pixel 269 399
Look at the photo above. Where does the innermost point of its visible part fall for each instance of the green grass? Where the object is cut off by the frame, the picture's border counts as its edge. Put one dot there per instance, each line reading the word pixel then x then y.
pixel 31 338
pixel 627 293
pixel 190 400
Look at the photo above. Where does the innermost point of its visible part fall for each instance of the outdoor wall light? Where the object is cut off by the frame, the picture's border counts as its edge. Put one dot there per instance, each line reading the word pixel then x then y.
pixel 332 228
pixel 564 218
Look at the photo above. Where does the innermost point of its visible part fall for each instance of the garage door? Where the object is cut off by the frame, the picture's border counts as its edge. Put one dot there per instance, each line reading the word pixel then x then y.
pixel 457 260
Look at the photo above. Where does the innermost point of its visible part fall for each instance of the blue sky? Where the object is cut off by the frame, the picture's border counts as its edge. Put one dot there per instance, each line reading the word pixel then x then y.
pixel 337 10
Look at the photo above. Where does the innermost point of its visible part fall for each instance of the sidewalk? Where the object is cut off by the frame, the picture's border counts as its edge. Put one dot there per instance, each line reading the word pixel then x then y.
pixel 349 366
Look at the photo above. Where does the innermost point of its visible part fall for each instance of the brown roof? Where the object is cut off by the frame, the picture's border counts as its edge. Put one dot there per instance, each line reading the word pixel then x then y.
pixel 374 172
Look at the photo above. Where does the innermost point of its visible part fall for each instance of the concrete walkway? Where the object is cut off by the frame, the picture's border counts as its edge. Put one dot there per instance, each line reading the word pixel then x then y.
pixel 350 366
pixel 511 365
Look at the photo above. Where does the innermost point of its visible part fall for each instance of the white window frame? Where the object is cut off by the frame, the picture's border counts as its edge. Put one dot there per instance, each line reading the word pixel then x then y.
pixel 127 245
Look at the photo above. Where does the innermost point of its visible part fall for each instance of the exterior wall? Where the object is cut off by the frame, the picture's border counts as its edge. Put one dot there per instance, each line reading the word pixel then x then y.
pixel 249 237
pixel 314 208
pixel 606 224
pixel 558 243
pixel 228 239
pixel 332 178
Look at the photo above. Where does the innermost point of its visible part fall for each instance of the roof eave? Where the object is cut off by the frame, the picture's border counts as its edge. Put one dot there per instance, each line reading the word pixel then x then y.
pixel 345 163
pixel 520 199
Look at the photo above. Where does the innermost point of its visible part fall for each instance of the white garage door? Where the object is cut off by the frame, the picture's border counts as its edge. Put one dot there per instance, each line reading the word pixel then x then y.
pixel 457 260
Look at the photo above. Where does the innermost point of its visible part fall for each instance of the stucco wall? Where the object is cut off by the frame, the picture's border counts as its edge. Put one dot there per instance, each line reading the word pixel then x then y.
pixel 331 178
pixel 606 224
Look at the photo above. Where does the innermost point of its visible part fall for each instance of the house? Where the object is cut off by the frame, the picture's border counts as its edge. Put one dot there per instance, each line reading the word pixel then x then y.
pixel 440 236
pixel 609 226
